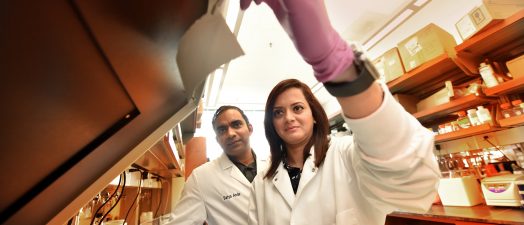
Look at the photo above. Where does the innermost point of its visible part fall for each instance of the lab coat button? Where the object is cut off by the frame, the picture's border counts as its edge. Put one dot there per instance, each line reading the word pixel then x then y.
pixel 313 170
pixel 276 179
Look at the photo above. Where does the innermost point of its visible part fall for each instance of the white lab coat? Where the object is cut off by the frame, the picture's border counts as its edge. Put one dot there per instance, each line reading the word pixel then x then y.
pixel 216 192
pixel 387 165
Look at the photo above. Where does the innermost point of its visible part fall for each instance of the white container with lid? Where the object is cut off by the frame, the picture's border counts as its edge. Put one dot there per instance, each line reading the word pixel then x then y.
pixel 473 118
pixel 487 74
pixel 462 191
pixel 484 115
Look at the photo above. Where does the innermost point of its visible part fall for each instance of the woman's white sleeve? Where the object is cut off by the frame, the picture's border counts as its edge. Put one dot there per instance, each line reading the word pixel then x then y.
pixel 392 157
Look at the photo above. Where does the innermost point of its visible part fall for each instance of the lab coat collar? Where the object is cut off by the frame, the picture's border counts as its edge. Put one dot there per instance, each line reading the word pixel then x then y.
pixel 229 167
pixel 226 164
pixel 308 171
pixel 283 184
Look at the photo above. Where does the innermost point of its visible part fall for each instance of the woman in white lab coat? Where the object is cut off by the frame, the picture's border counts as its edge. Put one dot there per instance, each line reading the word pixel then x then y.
pixel 386 165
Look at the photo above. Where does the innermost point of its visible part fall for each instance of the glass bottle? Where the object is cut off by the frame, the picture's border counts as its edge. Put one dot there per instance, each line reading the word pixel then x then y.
pixel 517 109
pixel 454 126
pixel 442 129
pixel 487 74
pixel 448 128
pixel 484 115
pixel 473 118
pixel 463 120
pixel 506 110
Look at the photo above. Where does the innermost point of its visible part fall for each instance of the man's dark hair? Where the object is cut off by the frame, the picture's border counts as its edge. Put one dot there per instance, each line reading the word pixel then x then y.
pixel 227 107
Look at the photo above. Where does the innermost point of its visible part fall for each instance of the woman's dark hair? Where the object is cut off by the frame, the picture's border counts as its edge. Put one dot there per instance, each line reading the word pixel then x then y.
pixel 320 129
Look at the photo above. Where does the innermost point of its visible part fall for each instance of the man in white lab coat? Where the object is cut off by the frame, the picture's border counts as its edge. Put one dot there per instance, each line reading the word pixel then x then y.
pixel 218 191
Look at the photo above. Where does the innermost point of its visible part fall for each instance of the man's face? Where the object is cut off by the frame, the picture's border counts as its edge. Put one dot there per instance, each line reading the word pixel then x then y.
pixel 232 133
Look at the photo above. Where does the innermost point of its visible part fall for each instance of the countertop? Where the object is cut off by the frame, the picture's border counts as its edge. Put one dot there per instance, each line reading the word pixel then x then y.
pixel 479 213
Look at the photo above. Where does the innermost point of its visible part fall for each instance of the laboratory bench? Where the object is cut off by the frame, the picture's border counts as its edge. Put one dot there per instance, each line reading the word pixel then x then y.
pixel 459 215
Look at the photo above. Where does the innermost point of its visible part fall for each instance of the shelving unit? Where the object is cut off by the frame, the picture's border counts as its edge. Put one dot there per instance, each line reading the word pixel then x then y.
pixel 424 76
pixel 468 132
pixel 508 87
pixel 161 159
pixel 508 31
pixel 450 107
pixel 512 121
pixel 499 42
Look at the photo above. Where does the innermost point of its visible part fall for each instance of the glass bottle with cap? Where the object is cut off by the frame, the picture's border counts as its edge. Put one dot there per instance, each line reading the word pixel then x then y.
pixel 484 115
pixel 506 110
pixel 487 74
pixel 517 108
pixel 463 121
pixel 442 129
pixel 473 118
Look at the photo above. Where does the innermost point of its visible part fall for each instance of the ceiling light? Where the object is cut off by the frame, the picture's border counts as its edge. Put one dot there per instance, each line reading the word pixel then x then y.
pixel 232 14
pixel 216 85
pixel 420 3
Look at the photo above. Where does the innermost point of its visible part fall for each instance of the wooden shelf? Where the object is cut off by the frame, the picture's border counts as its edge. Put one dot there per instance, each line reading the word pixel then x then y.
pixel 450 107
pixel 423 74
pixel 161 159
pixel 512 121
pixel 507 31
pixel 468 132
pixel 498 42
pixel 508 87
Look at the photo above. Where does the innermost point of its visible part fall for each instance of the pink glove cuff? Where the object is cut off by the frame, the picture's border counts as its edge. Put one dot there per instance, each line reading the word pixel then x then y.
pixel 336 62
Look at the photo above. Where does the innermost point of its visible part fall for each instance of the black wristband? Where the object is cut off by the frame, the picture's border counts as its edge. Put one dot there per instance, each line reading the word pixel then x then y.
pixel 367 74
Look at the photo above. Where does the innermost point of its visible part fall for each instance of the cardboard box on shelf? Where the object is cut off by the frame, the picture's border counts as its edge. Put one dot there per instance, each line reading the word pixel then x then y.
pixel 379 65
pixel 439 98
pixel 392 64
pixel 488 13
pixel 426 44
pixel 516 67
pixel 409 102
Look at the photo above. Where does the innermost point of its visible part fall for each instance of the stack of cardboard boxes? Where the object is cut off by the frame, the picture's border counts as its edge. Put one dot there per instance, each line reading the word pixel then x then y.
pixel 432 41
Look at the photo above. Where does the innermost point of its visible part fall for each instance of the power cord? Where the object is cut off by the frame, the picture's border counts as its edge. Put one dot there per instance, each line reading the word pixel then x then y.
pixel 103 204
pixel 486 138
pixel 136 197
pixel 117 200
pixel 160 199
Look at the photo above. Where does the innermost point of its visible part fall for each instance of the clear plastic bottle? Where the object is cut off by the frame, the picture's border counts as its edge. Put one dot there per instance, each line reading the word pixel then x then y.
pixel 487 74
pixel 463 120
pixel 506 110
pixel 484 115
pixel 473 118
pixel 442 129
pixel 448 128
pixel 454 126
pixel 517 109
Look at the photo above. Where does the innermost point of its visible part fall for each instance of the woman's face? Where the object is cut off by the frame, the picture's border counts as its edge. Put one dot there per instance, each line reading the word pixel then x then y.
pixel 292 117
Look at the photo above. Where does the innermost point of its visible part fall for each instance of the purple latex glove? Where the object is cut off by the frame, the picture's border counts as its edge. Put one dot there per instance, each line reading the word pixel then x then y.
pixel 307 24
